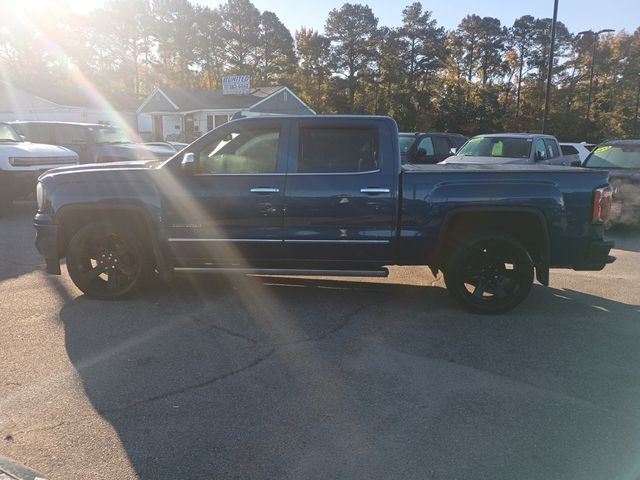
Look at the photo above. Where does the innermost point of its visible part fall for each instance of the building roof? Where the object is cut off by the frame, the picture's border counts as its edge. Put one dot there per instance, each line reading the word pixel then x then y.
pixel 179 100
pixel 67 96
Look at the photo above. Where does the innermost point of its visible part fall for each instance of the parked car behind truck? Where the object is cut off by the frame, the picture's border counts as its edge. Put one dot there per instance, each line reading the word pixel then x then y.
pixel 621 158
pixel 511 148
pixel 94 143
pixel 21 163
pixel 321 196
pixel 428 148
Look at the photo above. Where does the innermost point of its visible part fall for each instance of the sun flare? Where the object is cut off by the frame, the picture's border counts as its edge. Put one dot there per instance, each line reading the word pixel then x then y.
pixel 31 7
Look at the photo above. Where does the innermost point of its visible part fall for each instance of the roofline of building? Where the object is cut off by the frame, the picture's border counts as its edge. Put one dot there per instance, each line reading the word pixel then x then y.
pixel 151 95
pixel 280 90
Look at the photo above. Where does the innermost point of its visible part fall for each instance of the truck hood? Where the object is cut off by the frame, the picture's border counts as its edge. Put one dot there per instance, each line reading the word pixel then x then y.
pixel 88 167
pixel 137 151
pixel 34 150
pixel 484 160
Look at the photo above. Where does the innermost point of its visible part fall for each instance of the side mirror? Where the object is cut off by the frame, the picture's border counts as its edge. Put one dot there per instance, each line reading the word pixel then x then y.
pixel 24 139
pixel 188 163
pixel 453 150
pixel 576 163
pixel 421 152
pixel 538 157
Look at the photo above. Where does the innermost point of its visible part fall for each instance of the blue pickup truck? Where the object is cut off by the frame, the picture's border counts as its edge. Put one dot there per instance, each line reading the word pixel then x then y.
pixel 321 195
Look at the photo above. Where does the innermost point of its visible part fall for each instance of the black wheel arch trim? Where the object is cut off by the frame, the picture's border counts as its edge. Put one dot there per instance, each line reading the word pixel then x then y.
pixel 164 269
pixel 542 263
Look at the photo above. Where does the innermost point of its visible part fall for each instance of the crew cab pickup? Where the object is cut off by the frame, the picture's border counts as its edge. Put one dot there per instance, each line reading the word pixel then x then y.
pixel 320 195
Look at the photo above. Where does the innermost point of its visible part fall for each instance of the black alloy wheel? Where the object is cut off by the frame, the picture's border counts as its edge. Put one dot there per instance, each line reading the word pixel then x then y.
pixel 107 261
pixel 490 274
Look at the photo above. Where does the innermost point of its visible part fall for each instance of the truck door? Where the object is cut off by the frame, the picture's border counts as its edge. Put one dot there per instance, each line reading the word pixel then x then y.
pixel 229 210
pixel 554 155
pixel 341 192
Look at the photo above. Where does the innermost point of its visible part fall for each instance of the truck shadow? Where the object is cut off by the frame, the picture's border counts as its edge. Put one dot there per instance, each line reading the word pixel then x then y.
pixel 625 237
pixel 15 227
pixel 252 377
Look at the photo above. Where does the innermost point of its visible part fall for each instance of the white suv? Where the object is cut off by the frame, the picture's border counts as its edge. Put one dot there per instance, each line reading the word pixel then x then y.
pixel 21 163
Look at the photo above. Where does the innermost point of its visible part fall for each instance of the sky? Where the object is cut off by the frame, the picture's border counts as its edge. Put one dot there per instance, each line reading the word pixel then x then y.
pixel 575 14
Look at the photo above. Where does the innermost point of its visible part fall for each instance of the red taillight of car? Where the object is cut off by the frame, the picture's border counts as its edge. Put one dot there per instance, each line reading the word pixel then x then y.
pixel 601 204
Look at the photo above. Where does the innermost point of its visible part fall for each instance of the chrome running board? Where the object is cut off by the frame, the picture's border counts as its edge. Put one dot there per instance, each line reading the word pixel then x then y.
pixel 381 272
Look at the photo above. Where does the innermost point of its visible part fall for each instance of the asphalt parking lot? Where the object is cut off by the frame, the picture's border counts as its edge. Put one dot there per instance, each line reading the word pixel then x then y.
pixel 280 377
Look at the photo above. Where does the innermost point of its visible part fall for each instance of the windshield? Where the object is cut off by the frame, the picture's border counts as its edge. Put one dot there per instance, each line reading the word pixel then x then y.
pixel 502 147
pixel 111 135
pixel 8 134
pixel 406 142
pixel 610 156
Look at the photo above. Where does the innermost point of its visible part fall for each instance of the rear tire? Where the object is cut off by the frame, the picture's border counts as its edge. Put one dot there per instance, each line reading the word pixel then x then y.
pixel 107 261
pixel 489 273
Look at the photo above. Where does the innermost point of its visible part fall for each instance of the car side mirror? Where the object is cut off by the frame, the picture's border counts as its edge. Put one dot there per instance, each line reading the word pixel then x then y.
pixel 576 163
pixel 23 138
pixel 421 152
pixel 188 163
pixel 538 157
pixel 453 150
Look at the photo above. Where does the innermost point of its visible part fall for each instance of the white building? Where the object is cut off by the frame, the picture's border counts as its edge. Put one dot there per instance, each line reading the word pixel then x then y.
pixel 70 104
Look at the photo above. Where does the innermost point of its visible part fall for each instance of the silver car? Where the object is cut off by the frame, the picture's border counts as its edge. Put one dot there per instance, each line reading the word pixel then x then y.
pixel 510 148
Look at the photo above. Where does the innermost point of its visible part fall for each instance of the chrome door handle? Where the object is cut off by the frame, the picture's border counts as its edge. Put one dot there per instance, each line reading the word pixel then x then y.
pixel 265 190
pixel 374 190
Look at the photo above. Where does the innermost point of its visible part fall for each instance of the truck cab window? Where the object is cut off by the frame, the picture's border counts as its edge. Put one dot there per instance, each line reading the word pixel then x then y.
pixel 329 150
pixel 242 151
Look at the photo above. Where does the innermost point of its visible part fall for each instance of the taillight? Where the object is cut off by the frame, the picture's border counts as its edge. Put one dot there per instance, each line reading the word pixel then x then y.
pixel 601 204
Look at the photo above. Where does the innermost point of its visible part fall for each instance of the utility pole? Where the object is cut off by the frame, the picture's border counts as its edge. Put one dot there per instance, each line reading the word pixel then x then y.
pixel 547 96
pixel 636 130
pixel 593 61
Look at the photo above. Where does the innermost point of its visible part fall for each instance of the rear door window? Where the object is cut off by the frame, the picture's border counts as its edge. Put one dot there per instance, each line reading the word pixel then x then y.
pixel 333 150
pixel 441 145
pixel 427 145
pixel 569 150
pixel 552 148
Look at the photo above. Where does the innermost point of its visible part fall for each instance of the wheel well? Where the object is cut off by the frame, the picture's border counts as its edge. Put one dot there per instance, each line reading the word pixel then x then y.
pixel 72 220
pixel 529 228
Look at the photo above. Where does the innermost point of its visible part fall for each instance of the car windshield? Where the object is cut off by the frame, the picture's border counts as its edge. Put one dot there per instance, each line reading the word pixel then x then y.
pixel 8 134
pixel 508 147
pixel 615 156
pixel 111 135
pixel 406 141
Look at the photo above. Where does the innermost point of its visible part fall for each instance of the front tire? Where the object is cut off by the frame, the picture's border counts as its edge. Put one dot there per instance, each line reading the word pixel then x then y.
pixel 489 273
pixel 107 261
